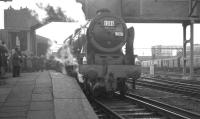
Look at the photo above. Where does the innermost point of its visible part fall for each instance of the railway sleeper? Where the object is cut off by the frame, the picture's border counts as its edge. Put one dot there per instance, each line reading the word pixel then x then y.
pixel 141 115
pixel 119 105
pixel 122 107
pixel 130 110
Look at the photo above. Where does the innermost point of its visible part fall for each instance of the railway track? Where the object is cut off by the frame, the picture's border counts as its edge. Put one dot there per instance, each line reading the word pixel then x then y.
pixel 166 73
pixel 170 86
pixel 135 107
pixel 100 112
pixel 174 77
pixel 175 74
pixel 171 81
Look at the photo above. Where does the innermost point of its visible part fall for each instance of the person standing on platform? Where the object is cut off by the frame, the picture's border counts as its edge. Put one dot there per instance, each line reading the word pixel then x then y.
pixel 1 59
pixel 23 66
pixel 25 62
pixel 5 56
pixel 41 63
pixel 38 63
pixel 34 63
pixel 16 62
pixel 29 63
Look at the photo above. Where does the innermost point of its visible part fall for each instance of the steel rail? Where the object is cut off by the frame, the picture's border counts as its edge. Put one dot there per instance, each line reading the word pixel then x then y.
pixel 119 115
pixel 170 88
pixel 178 113
pixel 174 82
pixel 106 109
pixel 172 74
pixel 175 85
pixel 155 106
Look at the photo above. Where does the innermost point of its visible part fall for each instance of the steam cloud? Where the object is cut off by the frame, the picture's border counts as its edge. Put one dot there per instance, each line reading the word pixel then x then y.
pixel 65 56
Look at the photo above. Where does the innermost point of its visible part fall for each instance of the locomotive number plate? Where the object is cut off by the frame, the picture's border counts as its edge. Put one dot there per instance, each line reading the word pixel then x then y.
pixel 119 34
pixel 109 23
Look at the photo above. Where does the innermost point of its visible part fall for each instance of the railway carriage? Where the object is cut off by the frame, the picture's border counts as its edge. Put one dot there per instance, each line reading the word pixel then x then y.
pixel 174 63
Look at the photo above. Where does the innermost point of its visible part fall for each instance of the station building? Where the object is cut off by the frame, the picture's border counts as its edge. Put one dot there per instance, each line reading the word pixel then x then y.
pixel 19 31
pixel 42 43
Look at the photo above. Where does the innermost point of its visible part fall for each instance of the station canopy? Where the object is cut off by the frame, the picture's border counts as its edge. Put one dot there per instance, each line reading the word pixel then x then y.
pixel 146 11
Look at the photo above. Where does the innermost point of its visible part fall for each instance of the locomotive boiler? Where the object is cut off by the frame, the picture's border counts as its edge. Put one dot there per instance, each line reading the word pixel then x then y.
pixel 105 54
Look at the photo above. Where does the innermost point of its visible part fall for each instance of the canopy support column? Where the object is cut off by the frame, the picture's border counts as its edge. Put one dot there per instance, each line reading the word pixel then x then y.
pixel 191 49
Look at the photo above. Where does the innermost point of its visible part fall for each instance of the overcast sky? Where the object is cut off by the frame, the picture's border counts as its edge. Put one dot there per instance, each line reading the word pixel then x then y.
pixel 146 35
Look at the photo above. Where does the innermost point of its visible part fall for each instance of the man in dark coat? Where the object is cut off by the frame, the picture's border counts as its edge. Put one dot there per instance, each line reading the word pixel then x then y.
pixel 34 62
pixel 16 62
pixel 41 63
pixel 3 58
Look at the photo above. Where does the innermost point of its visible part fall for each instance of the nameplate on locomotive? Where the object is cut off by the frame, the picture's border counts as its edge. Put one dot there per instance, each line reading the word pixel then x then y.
pixel 109 23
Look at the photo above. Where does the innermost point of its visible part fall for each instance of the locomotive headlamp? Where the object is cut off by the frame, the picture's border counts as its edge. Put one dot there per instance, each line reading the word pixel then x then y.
pixel 119 34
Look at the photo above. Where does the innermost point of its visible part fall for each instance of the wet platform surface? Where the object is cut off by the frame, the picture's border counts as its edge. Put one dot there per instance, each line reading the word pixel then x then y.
pixel 43 95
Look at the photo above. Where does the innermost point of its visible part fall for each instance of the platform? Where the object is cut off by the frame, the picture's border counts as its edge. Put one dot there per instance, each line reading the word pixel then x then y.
pixel 43 95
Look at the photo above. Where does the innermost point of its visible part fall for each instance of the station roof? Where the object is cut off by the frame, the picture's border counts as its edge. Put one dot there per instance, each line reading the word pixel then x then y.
pixel 146 11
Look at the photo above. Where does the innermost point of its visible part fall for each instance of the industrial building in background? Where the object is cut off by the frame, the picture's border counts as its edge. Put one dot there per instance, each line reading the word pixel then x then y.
pixel 196 50
pixel 159 51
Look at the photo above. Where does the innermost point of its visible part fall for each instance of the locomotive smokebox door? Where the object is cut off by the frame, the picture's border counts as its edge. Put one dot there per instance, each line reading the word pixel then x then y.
pixel 107 33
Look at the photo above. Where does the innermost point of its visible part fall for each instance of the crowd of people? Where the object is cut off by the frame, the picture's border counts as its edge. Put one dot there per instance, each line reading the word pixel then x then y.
pixel 16 61
pixel 22 63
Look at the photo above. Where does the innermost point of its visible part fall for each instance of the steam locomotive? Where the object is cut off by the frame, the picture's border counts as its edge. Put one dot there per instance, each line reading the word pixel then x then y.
pixel 104 54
